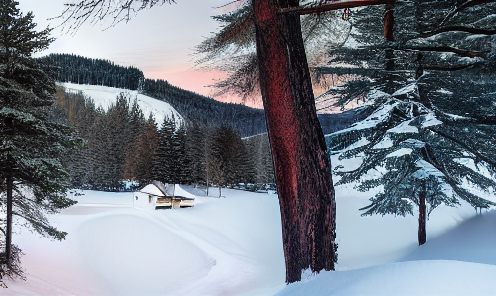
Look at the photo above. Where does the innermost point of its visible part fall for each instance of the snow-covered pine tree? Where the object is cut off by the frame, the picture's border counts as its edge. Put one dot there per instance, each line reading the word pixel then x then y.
pixel 32 180
pixel 430 129
pixel 422 157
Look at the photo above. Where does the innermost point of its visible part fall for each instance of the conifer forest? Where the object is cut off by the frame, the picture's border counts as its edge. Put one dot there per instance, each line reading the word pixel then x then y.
pixel 379 117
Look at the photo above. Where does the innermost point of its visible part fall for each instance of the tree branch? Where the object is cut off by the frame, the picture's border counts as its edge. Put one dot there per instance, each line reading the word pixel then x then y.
pixel 459 29
pixel 332 5
pixel 460 52
pixel 76 14
pixel 465 5
pixel 449 69
pixel 473 151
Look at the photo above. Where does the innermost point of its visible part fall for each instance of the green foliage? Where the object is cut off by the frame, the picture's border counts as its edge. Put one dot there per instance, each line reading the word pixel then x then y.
pixel 81 70
pixel 429 103
pixel 32 142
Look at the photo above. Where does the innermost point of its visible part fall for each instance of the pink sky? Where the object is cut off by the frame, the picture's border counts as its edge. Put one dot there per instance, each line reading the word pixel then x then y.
pixel 159 41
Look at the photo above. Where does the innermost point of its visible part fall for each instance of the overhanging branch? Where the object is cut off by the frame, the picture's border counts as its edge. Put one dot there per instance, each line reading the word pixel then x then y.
pixel 459 29
pixel 460 52
pixel 334 5
pixel 465 5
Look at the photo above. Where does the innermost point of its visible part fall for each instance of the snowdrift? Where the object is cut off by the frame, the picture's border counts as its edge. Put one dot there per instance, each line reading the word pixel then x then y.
pixel 233 246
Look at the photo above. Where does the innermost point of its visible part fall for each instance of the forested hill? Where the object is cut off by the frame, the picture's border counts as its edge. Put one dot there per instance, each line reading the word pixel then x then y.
pixel 81 70
pixel 198 108
pixel 192 106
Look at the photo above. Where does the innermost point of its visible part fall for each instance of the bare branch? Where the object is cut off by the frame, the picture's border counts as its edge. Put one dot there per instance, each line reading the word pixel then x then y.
pixel 93 11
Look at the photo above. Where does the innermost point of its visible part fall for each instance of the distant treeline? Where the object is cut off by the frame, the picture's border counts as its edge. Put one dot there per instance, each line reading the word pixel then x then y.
pixel 121 144
pixel 197 108
pixel 192 106
pixel 81 70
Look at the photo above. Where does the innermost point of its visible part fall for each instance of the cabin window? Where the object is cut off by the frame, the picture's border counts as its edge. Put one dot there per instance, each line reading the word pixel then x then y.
pixel 149 199
pixel 136 197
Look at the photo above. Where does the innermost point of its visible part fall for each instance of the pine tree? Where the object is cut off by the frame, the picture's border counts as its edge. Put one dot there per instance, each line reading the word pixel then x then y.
pixel 164 157
pixel 139 160
pixel 431 123
pixel 32 180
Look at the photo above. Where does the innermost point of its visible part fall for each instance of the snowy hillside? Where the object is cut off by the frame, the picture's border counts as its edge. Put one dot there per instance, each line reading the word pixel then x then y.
pixel 233 246
pixel 105 96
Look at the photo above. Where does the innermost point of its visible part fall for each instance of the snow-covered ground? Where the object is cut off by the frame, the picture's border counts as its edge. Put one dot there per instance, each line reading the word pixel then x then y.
pixel 232 246
pixel 105 96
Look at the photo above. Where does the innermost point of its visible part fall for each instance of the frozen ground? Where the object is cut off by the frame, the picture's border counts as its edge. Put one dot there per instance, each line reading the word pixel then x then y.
pixel 232 246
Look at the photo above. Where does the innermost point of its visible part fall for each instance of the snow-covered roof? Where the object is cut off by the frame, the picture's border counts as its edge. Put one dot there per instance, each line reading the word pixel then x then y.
pixel 177 191
pixel 152 189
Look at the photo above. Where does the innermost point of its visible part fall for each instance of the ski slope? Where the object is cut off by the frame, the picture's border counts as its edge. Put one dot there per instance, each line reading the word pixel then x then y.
pixel 104 96
pixel 232 246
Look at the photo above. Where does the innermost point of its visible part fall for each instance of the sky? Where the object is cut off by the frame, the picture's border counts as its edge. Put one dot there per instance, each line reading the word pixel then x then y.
pixel 159 41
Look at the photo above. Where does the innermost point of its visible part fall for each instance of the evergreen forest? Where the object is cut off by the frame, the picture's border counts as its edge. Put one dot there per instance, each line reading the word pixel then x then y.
pixel 121 144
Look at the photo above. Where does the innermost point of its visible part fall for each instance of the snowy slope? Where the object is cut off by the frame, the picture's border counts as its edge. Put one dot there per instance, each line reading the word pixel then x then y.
pixel 232 246
pixel 105 96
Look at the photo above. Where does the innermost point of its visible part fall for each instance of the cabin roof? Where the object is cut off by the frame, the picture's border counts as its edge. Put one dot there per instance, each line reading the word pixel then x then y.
pixel 152 189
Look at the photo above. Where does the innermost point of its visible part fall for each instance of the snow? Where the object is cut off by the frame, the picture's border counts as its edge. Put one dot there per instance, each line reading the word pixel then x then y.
pixel 426 170
pixel 104 96
pixel 400 152
pixel 444 91
pixel 404 127
pixel 152 189
pixel 380 115
pixel 232 246
pixel 429 119
pixel 406 90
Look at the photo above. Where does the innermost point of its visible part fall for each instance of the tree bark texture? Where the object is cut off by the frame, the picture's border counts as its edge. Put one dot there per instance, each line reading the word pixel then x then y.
pixel 422 236
pixel 306 193
pixel 389 21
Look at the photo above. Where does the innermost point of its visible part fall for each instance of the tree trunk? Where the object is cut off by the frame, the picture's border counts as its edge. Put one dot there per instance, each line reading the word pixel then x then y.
pixel 389 21
pixel 422 237
pixel 8 234
pixel 306 193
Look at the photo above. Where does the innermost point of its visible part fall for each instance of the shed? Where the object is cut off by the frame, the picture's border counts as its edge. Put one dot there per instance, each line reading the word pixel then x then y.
pixel 166 196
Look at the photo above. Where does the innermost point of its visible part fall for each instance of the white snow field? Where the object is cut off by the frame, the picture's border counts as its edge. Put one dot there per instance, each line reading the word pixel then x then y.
pixel 105 96
pixel 232 246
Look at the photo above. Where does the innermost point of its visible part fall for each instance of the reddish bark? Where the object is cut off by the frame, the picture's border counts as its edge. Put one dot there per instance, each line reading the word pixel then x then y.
pixel 333 5
pixel 389 21
pixel 306 193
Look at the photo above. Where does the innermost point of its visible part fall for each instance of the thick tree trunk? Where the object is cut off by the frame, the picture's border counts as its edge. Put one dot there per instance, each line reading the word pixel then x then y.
pixel 306 193
pixel 8 234
pixel 422 237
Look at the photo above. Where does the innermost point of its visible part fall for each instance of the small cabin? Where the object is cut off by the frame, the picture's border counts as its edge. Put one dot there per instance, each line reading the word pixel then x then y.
pixel 163 196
